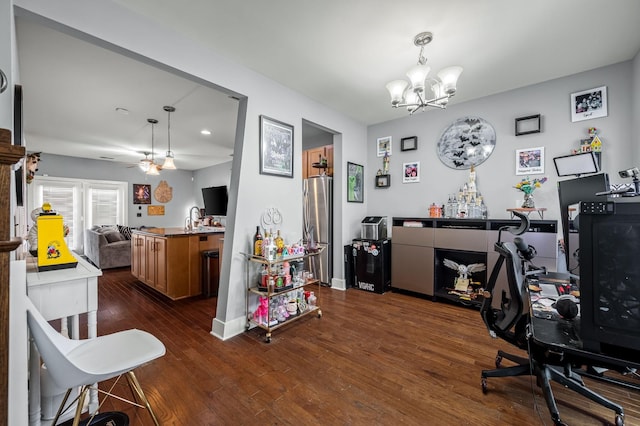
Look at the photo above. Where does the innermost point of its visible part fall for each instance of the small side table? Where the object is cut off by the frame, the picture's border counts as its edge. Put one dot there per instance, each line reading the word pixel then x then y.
pixel 528 211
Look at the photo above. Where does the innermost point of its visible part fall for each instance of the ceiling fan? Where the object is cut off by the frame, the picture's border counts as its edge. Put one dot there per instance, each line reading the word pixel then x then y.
pixel 145 163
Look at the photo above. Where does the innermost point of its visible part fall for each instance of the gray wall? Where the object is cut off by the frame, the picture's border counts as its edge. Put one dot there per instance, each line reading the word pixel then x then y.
pixel 175 211
pixel 251 192
pixel 496 176
pixel 635 91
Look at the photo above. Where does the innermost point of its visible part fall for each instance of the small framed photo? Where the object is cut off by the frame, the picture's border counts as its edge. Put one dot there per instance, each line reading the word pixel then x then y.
pixel 384 146
pixel 409 144
pixel 530 161
pixel 383 181
pixel 528 125
pixel 589 104
pixel 276 147
pixel 141 193
pixel 411 172
pixel 355 183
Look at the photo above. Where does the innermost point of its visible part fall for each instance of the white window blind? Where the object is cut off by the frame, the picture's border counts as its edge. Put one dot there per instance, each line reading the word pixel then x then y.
pixel 81 203
pixel 103 206
pixel 64 198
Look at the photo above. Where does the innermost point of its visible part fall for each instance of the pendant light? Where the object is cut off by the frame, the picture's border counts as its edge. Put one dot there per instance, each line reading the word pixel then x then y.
pixel 153 167
pixel 168 159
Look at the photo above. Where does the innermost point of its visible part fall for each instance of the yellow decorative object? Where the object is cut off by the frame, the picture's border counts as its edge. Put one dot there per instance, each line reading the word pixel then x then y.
pixel 596 144
pixel 53 252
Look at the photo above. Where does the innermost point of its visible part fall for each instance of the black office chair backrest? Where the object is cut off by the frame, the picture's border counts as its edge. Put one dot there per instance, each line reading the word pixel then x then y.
pixel 504 311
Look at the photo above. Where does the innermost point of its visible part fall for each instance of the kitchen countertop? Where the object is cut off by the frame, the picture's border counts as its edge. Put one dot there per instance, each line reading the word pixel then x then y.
pixel 179 232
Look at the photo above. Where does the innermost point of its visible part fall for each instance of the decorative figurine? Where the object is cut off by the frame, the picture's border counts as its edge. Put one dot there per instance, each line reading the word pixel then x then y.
pixel 385 163
pixel 462 281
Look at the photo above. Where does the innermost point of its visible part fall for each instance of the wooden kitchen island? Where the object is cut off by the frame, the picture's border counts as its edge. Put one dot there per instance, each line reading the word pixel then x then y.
pixel 169 260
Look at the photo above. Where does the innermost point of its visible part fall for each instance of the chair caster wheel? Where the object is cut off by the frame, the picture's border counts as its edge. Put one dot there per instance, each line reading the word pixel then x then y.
pixel 484 385
pixel 619 420
pixel 498 361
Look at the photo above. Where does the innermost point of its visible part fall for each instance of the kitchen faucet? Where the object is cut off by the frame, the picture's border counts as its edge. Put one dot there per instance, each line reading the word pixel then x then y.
pixel 189 219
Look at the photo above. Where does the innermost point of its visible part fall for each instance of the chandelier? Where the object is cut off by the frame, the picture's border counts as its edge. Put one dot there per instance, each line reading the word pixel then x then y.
pixel 415 97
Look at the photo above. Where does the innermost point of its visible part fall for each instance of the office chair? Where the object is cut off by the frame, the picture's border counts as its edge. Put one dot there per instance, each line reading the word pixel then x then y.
pixel 505 313
pixel 74 364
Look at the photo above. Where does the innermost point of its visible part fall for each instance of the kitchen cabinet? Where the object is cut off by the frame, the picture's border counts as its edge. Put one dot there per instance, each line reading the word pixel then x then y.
pixel 169 260
pixel 311 157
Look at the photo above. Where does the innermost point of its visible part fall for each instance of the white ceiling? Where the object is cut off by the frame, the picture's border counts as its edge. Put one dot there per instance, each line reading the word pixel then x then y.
pixel 340 53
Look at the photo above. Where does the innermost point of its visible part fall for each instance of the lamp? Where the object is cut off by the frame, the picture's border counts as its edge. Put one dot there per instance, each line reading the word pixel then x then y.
pixel 153 167
pixel 168 159
pixel 443 86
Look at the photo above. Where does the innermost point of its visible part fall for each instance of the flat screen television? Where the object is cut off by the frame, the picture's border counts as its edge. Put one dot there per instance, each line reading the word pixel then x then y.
pixel 573 191
pixel 215 200
pixel 610 279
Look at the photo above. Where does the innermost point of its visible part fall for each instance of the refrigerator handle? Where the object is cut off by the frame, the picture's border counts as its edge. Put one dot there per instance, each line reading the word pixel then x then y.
pixel 305 213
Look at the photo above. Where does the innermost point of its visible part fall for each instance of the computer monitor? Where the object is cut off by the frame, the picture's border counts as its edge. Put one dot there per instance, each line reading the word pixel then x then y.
pixel 215 200
pixel 610 277
pixel 573 191
pixel 577 164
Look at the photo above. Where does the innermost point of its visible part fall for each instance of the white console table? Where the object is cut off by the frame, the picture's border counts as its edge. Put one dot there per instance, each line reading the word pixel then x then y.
pixel 62 294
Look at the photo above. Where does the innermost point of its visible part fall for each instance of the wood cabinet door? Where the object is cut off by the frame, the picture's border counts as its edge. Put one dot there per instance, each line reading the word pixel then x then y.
pixel 328 153
pixel 160 250
pixel 137 257
pixel 150 258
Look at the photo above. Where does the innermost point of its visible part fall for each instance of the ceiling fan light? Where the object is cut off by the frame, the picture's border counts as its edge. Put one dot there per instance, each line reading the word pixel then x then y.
pixel 449 77
pixel 144 165
pixel 418 74
pixel 168 161
pixel 396 89
pixel 153 170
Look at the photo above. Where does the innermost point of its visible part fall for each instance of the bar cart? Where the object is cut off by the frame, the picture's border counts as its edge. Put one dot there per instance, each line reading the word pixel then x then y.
pixel 273 289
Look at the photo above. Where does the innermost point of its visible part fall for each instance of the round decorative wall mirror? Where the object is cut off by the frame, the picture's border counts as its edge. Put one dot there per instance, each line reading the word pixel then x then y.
pixel 467 142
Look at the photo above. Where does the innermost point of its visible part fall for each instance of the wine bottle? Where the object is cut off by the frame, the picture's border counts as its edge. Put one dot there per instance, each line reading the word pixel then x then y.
pixel 257 242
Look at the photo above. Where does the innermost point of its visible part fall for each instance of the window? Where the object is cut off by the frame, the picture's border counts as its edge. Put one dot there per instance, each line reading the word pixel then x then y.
pixel 81 203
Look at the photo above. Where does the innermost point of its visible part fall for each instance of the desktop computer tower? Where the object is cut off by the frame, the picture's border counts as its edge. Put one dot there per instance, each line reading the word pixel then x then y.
pixel 372 264
pixel 610 276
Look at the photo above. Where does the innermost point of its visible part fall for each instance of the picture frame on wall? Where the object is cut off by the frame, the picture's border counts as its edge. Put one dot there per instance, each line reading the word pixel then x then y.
pixel 383 181
pixel 527 125
pixel 355 183
pixel 409 144
pixel 589 104
pixel 276 147
pixel 530 161
pixel 384 146
pixel 141 193
pixel 411 172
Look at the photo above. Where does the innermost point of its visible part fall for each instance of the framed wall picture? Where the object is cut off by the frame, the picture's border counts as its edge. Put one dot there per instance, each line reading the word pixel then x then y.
pixel 383 181
pixel 409 144
pixel 589 104
pixel 355 183
pixel 411 172
pixel 141 193
pixel 528 125
pixel 276 147
pixel 384 146
pixel 530 161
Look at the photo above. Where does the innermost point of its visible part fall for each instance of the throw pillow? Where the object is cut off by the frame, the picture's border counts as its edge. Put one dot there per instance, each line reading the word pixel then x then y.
pixel 113 236
pixel 125 231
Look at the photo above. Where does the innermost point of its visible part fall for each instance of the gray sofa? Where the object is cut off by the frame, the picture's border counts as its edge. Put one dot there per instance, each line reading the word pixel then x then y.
pixel 108 246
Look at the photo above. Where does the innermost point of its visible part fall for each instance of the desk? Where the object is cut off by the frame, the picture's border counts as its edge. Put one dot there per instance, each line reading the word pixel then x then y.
pixel 556 351
pixel 528 211
pixel 61 294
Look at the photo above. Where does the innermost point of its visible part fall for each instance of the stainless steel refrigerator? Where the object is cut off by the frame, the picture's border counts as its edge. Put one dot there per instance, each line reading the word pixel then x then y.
pixel 318 224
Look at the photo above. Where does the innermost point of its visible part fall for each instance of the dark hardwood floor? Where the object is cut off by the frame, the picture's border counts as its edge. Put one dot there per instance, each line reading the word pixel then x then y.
pixel 370 360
